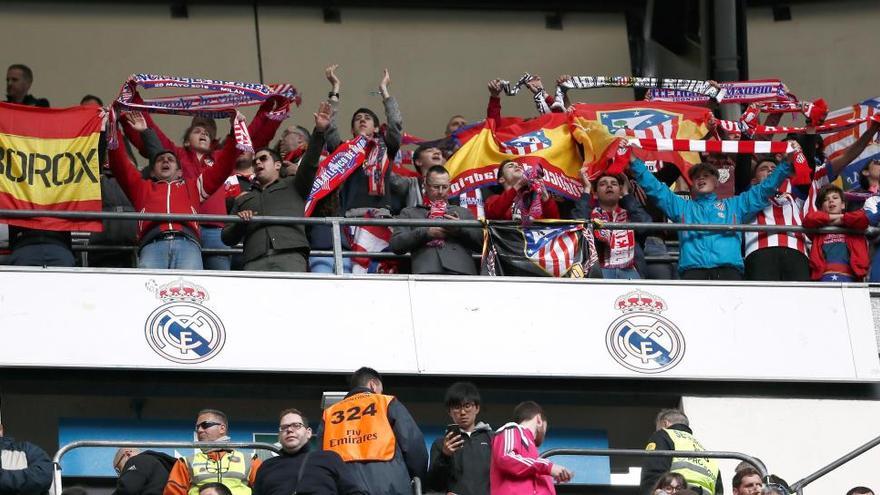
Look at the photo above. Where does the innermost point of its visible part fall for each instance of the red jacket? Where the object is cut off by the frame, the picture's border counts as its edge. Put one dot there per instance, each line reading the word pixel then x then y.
pixel 859 261
pixel 515 468
pixel 262 129
pixel 179 196
pixel 500 206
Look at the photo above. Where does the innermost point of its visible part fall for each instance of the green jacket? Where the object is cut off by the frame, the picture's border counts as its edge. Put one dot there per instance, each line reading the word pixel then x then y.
pixel 285 197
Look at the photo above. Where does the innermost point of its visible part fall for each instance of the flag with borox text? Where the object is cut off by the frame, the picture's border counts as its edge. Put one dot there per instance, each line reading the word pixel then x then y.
pixel 544 141
pixel 601 128
pixel 49 161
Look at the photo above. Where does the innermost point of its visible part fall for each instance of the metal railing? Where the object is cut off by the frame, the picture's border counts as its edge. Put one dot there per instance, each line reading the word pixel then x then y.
pixel 715 454
pixel 798 486
pixel 56 460
pixel 336 224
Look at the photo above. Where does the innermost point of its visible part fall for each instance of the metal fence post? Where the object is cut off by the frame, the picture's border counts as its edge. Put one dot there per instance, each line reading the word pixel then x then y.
pixel 338 267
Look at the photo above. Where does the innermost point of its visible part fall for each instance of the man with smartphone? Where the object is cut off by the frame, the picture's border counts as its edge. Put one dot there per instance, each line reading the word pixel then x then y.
pixel 460 458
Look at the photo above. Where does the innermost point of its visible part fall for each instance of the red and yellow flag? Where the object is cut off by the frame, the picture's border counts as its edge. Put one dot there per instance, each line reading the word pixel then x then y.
pixel 600 128
pixel 545 141
pixel 49 161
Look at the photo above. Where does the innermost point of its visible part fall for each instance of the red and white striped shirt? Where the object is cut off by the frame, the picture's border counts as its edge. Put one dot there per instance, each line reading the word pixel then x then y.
pixel 783 209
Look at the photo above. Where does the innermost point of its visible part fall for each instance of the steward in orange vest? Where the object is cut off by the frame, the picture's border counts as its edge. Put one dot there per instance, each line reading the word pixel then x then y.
pixel 376 435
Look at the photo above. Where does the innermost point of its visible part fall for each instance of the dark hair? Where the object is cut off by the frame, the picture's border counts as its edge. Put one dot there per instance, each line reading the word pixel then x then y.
pixel 421 149
pixel 91 97
pixel 363 376
pixel 619 177
pixel 460 393
pixel 703 167
pixel 192 127
pixel 667 478
pixel 742 474
pixel 292 410
pixel 275 154
pixel 371 113
pixel 825 191
pixel 74 490
pixel 527 410
pixel 216 412
pixel 28 73
pixel 436 169
pixel 863 178
pixel 858 490
pixel 762 160
pixel 156 156
pixel 219 487
pixel 501 168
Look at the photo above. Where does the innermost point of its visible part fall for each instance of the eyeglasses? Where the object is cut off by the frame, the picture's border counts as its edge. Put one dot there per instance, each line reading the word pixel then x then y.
pixel 466 407
pixel 671 488
pixel 204 425
pixel 291 427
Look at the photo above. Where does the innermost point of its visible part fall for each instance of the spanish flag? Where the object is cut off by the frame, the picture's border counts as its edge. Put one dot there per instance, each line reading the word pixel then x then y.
pixel 600 128
pixel 544 141
pixel 49 161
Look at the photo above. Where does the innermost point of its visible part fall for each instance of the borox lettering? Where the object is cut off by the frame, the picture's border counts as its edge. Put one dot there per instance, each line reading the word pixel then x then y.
pixel 56 170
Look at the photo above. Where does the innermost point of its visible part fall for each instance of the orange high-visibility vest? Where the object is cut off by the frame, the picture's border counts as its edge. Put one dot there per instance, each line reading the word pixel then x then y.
pixel 357 428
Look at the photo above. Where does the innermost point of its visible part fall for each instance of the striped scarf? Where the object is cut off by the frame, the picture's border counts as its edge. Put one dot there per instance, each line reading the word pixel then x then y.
pixel 436 211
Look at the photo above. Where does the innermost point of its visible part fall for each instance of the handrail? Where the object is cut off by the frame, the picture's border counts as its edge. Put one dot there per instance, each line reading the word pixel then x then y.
pixel 798 486
pixel 56 460
pixel 758 463
pixel 406 222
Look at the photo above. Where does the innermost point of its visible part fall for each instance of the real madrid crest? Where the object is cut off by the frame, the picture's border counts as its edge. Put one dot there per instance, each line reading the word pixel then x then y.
pixel 641 339
pixel 182 329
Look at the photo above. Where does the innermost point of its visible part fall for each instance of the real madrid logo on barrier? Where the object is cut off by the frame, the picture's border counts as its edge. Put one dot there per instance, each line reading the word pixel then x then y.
pixel 642 340
pixel 183 330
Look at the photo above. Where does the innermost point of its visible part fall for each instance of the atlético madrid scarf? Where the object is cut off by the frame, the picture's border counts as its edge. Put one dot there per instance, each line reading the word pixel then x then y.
pixel 704 88
pixel 333 170
pixel 220 101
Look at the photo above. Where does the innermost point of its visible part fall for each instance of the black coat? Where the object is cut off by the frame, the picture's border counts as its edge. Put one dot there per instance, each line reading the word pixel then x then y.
pixel 25 469
pixel 467 471
pixel 145 474
pixel 325 474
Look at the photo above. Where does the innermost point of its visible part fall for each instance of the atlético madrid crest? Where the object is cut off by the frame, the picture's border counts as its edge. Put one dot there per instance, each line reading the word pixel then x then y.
pixel 183 329
pixel 641 339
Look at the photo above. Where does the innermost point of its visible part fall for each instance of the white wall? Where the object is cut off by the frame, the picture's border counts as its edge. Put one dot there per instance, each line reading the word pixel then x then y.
pixel 794 437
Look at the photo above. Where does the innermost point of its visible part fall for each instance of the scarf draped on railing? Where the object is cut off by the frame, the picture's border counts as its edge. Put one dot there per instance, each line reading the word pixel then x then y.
pixel 220 101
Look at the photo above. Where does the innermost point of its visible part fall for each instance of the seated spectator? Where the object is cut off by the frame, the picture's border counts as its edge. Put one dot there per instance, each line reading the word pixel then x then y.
pixel 837 257
pixel 519 190
pixel 515 467
pixel 669 483
pixel 198 153
pixel 620 252
pixel 299 469
pixel 438 250
pixel 277 247
pixel 460 459
pixel 230 467
pixel 747 482
pixel 25 469
pixel 19 78
pixel 775 256
pixel 709 255
pixel 383 444
pixel 173 245
pixel 860 490
pixel 141 472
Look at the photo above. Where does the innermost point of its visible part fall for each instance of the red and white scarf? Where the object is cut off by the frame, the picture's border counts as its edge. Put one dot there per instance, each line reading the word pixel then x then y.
pixel 621 244
pixel 376 166
pixel 436 211
pixel 528 199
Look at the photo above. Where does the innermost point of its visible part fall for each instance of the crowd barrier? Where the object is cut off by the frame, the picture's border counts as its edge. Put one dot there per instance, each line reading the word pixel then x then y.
pixel 336 224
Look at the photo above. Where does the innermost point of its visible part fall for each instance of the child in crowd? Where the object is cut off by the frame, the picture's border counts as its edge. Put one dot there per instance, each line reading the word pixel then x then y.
pixel 837 257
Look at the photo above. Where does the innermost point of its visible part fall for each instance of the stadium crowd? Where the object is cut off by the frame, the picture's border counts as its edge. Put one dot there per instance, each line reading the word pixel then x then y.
pixel 205 173
pixel 369 443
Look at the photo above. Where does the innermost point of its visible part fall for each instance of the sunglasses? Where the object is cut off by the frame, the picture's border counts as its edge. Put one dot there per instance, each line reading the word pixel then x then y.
pixel 204 425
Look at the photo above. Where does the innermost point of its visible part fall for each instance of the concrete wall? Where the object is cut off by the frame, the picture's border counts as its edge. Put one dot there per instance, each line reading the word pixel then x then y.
pixel 440 60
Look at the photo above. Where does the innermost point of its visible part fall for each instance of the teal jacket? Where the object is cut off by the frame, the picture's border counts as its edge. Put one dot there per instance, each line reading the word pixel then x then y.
pixel 700 249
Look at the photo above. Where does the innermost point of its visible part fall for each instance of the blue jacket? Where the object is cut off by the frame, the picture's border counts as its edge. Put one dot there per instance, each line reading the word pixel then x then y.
pixel 710 249
pixel 25 469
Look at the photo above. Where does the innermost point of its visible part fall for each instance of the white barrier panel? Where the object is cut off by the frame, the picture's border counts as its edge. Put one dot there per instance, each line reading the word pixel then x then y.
pixel 442 325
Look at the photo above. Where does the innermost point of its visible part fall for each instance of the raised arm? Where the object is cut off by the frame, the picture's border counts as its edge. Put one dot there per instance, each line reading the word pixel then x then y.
pixel 493 109
pixel 331 135
pixel 666 200
pixel 854 150
pixel 262 129
pixel 212 178
pixel 125 172
pixel 758 196
pixel 394 131
pixel 308 167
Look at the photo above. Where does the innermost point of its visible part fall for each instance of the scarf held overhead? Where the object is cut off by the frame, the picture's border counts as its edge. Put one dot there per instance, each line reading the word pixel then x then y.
pixel 220 101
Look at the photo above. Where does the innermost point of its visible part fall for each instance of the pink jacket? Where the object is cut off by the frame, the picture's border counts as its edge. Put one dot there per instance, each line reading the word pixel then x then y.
pixel 516 468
